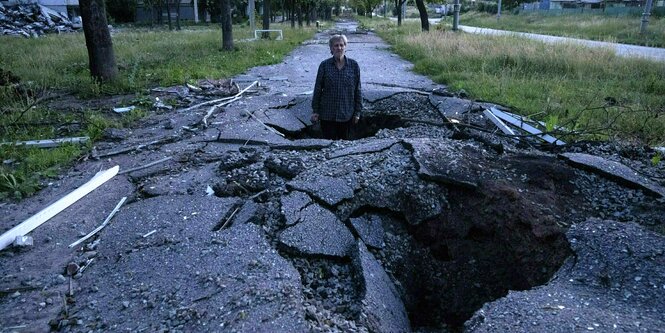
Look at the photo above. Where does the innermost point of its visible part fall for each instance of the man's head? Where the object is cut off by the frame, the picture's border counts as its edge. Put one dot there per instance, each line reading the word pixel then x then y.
pixel 337 45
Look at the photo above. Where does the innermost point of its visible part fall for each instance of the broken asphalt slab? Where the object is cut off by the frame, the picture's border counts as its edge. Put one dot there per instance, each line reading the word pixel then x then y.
pixel 319 232
pixel 176 275
pixel 615 171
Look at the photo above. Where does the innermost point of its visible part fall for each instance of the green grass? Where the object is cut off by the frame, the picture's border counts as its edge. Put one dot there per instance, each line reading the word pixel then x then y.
pixel 146 58
pixel 590 91
pixel 618 29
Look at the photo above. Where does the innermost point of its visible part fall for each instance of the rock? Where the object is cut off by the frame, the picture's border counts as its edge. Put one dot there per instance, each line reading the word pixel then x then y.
pixel 370 230
pixel 382 307
pixel 319 232
pixel 285 167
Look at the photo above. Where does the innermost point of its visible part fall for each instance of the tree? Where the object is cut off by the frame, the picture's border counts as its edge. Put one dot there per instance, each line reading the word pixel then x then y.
pixel 266 18
pixel 103 67
pixel 424 21
pixel 177 13
pixel 398 8
pixel 227 26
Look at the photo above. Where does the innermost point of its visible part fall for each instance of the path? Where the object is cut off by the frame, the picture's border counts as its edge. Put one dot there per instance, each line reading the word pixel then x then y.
pixel 624 50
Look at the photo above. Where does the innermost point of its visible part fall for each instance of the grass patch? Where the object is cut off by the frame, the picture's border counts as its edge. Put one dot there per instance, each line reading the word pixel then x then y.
pixel 617 29
pixel 590 91
pixel 146 58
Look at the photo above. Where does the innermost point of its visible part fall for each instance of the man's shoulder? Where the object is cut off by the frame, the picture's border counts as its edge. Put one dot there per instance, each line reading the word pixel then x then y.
pixel 327 61
pixel 352 62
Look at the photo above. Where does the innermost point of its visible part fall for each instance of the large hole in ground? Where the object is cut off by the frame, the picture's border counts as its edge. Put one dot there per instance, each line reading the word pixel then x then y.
pixel 366 127
pixel 486 245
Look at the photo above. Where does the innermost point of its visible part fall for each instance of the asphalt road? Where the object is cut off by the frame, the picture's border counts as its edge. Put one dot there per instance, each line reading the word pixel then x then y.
pixel 624 50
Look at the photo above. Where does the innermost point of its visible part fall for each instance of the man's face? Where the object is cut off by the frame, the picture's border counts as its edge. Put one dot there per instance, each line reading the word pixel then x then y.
pixel 338 48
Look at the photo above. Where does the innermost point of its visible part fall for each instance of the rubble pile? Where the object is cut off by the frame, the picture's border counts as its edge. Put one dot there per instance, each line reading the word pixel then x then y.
pixel 33 20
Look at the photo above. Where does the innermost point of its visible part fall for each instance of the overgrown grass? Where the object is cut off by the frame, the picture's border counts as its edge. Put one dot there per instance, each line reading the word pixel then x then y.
pixel 590 91
pixel 146 58
pixel 617 29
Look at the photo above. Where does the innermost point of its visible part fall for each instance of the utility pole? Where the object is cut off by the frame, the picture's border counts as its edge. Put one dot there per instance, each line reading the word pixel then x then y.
pixel 456 8
pixel 498 10
pixel 645 17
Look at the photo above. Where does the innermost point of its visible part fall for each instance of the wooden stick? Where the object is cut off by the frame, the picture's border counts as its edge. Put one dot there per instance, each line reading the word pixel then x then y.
pixel 108 218
pixel 55 208
pixel 219 100
pixel 214 107
pixel 264 125
pixel 150 233
pixel 145 166
pixel 229 219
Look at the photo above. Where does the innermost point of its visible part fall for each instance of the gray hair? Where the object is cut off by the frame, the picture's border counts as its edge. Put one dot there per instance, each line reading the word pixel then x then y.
pixel 336 38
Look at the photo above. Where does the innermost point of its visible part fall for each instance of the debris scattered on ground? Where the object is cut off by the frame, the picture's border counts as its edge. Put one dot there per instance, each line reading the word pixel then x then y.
pixel 45 214
pixel 34 20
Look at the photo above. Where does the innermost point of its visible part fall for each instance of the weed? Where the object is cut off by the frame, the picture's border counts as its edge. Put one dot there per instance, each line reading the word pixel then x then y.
pixel 146 58
pixel 617 29
pixel 591 91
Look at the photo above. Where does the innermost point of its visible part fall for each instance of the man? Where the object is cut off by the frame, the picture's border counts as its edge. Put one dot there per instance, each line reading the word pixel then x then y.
pixel 337 100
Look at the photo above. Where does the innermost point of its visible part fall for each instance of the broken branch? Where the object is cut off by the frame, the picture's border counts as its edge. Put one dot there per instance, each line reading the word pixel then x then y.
pixel 108 218
pixel 214 107
pixel 219 100
pixel 145 166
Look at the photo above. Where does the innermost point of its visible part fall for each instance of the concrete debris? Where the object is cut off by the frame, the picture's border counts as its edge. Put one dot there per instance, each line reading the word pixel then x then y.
pixel 33 20
pixel 292 206
pixel 615 171
pixel 23 241
pixel 319 232
pixel 383 310
pixel 328 189
pixel 370 230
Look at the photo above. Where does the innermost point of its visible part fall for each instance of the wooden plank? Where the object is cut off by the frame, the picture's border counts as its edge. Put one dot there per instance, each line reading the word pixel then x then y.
pixel 45 214
pixel 50 143
pixel 515 122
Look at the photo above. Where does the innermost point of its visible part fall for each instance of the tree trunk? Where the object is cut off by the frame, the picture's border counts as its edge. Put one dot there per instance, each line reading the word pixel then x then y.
pixel 266 18
pixel 227 26
pixel 398 8
pixel 300 15
pixel 168 14
pixel 308 10
pixel 177 15
pixel 98 40
pixel 424 21
pixel 292 13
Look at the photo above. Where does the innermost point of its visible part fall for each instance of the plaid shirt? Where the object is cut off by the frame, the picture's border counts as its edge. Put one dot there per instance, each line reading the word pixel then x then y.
pixel 337 94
